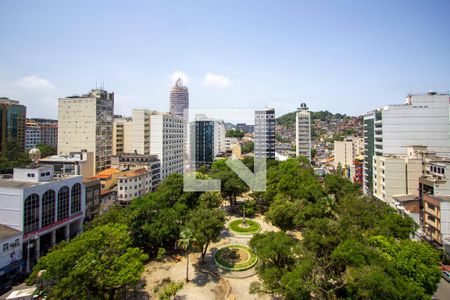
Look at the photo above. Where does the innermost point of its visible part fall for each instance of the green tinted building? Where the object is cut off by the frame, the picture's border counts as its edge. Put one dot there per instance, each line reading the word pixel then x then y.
pixel 12 123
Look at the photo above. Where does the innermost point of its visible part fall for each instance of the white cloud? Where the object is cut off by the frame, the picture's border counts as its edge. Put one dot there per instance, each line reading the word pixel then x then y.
pixel 34 82
pixel 216 81
pixel 39 95
pixel 179 74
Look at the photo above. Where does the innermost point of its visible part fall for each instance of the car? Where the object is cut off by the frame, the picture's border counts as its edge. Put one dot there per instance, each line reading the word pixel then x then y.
pixel 446 275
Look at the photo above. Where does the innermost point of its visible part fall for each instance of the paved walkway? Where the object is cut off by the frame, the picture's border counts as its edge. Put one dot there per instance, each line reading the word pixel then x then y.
pixel 228 237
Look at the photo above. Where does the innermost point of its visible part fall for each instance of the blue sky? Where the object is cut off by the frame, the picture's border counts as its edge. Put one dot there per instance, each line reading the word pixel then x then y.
pixel 342 56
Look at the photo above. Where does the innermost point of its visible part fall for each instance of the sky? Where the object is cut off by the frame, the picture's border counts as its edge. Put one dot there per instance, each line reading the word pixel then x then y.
pixel 343 56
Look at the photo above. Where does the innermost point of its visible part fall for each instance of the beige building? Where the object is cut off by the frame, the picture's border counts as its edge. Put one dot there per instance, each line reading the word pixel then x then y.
pixel 152 133
pixel 85 122
pixel 345 151
pixel 397 175
pixel 303 132
pixel 121 126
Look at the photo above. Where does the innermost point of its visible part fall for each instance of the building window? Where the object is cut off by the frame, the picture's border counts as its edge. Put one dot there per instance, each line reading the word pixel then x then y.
pixel 31 213
pixel 76 198
pixel 48 208
pixel 63 203
pixel 5 247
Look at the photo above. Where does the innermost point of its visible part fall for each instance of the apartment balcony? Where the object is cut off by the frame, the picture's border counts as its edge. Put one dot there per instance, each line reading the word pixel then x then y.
pixel 433 222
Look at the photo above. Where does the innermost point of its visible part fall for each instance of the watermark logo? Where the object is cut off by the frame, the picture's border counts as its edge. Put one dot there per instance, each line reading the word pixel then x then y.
pixel 205 141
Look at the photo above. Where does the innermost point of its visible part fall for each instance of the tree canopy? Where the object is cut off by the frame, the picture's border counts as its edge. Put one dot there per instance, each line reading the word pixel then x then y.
pixel 98 262
pixel 352 246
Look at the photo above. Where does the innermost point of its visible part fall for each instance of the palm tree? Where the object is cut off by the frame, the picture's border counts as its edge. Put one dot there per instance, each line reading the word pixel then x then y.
pixel 185 241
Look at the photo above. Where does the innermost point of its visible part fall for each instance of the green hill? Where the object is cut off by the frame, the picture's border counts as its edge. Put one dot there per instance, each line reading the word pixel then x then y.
pixel 288 119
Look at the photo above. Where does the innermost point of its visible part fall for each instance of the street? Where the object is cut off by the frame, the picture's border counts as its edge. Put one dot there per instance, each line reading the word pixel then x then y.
pixel 443 291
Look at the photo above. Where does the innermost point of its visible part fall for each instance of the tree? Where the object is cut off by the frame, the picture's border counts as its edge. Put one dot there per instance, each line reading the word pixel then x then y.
pixel 234 133
pixel 274 248
pixel 210 200
pixel 46 150
pixel 282 213
pixel 248 147
pixel 94 265
pixel 185 243
pixel 206 225
pixel 339 186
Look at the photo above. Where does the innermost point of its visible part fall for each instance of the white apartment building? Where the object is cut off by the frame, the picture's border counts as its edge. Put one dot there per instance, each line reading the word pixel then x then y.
pixel 10 252
pixel 152 133
pixel 86 122
pixel 131 161
pixel 167 142
pixel 79 163
pixel 133 184
pixel 219 137
pixel 46 210
pixel 303 132
pixel 421 120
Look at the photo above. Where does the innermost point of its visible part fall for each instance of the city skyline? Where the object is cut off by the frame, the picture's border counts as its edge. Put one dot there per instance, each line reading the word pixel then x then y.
pixel 343 57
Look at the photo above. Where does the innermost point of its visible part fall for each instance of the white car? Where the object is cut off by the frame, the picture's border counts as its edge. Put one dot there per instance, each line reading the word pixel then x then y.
pixel 446 275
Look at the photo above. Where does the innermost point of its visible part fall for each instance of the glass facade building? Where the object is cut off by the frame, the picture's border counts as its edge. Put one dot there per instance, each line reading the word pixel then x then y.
pixel 12 124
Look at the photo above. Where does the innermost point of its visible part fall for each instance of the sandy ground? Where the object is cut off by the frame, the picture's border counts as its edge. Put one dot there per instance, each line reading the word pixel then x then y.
pixel 204 282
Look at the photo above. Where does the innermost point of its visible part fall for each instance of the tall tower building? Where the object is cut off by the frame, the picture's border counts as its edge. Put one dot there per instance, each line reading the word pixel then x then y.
pixel 207 140
pixel 179 98
pixel 422 120
pixel 303 132
pixel 12 123
pixel 86 122
pixel 202 132
pixel 265 133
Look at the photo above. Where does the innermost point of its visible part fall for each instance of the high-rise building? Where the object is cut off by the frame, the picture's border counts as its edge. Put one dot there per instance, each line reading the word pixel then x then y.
pixel 303 131
pixel 422 120
pixel 150 132
pixel 41 131
pixel 207 140
pixel 219 137
pixel 179 99
pixel 202 141
pixel 86 122
pixel 265 133
pixel 167 141
pixel 12 123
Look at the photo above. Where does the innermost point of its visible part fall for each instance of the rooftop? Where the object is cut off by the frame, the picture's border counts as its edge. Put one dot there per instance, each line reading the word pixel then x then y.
pixel 135 172
pixel 440 198
pixel 6 232
pixel 405 198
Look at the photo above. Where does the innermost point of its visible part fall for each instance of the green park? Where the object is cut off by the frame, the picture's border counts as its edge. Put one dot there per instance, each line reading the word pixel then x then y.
pixel 304 237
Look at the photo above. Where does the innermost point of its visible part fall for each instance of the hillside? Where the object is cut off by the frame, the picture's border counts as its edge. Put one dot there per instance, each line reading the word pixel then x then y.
pixel 288 120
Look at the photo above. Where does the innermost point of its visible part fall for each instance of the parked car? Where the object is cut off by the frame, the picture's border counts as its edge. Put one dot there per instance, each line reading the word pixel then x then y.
pixel 446 275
